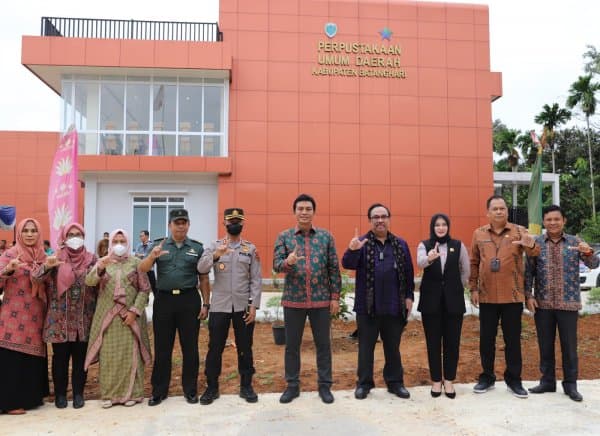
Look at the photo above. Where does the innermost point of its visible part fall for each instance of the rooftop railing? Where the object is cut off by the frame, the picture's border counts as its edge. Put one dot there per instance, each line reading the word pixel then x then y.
pixel 130 29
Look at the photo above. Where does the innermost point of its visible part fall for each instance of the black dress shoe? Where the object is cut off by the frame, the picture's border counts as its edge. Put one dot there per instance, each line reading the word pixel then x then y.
pixel 60 401
pixel 483 386
pixel 325 394
pixel 435 394
pixel 517 390
pixel 191 398
pixel 573 394
pixel 360 393
pixel 542 388
pixel 399 390
pixel 248 394
pixel 78 401
pixel 210 394
pixel 155 401
pixel 289 394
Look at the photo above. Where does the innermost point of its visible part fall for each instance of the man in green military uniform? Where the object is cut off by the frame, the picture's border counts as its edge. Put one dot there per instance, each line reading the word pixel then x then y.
pixel 235 297
pixel 177 306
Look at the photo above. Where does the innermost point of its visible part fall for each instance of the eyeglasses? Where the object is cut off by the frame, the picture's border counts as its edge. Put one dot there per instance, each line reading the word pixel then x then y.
pixel 379 217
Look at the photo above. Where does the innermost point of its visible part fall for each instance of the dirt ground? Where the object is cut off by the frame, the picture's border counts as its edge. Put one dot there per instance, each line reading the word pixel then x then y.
pixel 269 358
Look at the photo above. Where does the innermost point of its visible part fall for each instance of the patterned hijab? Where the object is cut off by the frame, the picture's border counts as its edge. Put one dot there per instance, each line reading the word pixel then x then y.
pixel 32 256
pixel 75 263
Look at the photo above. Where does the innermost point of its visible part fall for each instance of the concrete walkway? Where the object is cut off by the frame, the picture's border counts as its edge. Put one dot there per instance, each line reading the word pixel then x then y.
pixel 494 413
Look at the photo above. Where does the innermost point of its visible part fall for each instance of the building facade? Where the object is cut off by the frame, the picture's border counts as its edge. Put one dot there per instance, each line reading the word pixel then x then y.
pixel 353 102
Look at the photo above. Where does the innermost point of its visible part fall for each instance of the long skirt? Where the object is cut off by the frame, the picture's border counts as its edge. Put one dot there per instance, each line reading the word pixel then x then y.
pixel 24 380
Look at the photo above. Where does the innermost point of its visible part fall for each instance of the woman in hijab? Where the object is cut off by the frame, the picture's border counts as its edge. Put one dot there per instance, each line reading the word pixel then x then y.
pixel 119 336
pixel 71 306
pixel 445 264
pixel 23 362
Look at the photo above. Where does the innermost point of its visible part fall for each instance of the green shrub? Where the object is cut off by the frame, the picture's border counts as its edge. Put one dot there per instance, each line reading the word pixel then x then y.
pixel 593 296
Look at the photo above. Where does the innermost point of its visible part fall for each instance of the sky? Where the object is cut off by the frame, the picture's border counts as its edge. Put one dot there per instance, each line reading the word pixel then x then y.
pixel 538 46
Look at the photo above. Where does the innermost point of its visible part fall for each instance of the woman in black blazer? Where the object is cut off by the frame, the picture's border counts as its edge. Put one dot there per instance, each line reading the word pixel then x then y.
pixel 445 264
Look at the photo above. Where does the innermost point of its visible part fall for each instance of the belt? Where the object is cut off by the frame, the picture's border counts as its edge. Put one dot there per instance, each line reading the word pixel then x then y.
pixel 176 291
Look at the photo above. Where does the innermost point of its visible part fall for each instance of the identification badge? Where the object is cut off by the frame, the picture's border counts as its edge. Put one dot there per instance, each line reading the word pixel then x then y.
pixel 495 265
pixel 221 266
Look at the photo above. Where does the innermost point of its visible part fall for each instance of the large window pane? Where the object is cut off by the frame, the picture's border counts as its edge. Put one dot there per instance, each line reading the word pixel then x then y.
pixel 138 111
pixel 213 108
pixel 86 106
pixel 88 143
pixel 140 222
pixel 190 108
pixel 212 145
pixel 111 113
pixel 158 221
pixel 164 107
pixel 163 145
pixel 111 144
pixel 66 110
pixel 190 145
pixel 137 144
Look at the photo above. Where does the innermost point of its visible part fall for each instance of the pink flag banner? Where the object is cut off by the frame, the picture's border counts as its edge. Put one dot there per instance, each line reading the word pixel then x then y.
pixel 63 191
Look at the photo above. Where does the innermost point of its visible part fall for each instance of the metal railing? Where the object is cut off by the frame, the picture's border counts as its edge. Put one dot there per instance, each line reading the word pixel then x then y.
pixel 130 29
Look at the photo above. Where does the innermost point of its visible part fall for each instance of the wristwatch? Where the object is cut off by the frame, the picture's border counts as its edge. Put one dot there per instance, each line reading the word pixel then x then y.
pixel 206 305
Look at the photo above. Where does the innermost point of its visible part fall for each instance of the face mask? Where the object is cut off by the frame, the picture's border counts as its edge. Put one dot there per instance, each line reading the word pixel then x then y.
pixel 74 243
pixel 234 229
pixel 119 249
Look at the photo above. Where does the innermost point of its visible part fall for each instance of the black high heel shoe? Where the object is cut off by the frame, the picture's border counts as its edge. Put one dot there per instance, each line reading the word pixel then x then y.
pixel 435 394
pixel 451 395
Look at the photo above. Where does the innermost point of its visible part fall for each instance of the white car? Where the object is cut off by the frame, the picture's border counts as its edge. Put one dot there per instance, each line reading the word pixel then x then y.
pixel 589 278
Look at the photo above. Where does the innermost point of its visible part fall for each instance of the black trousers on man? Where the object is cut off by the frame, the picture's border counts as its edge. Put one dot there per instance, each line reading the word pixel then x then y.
pixel 442 334
pixel 320 324
pixel 61 354
pixel 390 328
pixel 509 316
pixel 173 313
pixel 546 322
pixel 218 330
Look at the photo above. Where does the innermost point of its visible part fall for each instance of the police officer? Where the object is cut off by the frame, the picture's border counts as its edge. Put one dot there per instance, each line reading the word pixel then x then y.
pixel 177 306
pixel 235 297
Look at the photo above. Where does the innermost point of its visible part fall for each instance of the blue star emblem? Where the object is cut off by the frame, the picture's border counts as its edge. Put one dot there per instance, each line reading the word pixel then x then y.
pixel 386 33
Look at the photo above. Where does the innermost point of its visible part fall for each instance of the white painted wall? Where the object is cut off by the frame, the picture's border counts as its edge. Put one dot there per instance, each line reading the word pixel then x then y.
pixel 109 200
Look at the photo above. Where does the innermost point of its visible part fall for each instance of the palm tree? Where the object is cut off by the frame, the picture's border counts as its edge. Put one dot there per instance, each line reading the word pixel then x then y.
pixel 550 118
pixel 583 93
pixel 505 143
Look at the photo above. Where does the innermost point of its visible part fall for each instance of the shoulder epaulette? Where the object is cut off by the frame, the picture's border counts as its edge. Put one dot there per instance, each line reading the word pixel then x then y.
pixel 159 239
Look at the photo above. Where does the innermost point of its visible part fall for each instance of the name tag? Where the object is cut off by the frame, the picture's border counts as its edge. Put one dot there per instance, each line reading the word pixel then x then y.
pixel 192 253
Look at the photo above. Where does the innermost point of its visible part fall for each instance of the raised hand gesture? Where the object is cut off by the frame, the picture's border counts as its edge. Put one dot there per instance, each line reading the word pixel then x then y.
pixel 356 243
pixel 14 264
pixel 52 262
pixel 222 248
pixel 526 240
pixel 293 257
pixel 434 253
pixel 583 248
pixel 157 251
pixel 103 262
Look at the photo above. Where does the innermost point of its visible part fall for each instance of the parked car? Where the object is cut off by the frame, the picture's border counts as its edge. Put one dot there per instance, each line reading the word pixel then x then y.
pixel 589 278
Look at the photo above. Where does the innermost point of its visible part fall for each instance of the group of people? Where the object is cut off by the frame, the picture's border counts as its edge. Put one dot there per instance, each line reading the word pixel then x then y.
pixel 91 309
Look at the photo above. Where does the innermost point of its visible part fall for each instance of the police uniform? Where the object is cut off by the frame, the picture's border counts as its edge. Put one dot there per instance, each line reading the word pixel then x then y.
pixel 237 284
pixel 176 307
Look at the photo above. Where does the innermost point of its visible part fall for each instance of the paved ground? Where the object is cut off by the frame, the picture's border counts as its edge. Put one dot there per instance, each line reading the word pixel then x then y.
pixel 494 413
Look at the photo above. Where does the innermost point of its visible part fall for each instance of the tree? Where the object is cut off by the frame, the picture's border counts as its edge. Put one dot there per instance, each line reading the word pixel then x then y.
pixel 583 94
pixel 550 118
pixel 592 65
pixel 505 143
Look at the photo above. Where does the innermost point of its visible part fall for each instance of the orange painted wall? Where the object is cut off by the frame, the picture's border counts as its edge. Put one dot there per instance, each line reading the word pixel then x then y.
pixel 420 145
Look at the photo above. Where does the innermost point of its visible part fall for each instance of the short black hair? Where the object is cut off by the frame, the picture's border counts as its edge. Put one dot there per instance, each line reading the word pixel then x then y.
pixel 145 232
pixel 46 242
pixel 304 197
pixel 552 208
pixel 494 197
pixel 374 205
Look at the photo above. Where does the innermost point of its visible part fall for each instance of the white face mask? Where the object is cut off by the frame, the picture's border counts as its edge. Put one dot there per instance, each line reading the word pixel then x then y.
pixel 119 249
pixel 74 243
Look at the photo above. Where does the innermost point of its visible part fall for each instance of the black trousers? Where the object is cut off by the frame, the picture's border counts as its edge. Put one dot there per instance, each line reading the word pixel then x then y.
pixel 61 354
pixel 442 334
pixel 546 322
pixel 173 313
pixel 390 329
pixel 152 280
pixel 320 324
pixel 218 328
pixel 509 316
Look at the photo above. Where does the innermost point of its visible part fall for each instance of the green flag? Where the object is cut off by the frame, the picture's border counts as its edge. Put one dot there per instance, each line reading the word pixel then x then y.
pixel 534 199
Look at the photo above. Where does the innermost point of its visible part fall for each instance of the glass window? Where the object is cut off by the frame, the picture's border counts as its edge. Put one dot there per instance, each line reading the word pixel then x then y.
pixel 112 98
pixel 152 214
pixel 67 106
pixel 138 101
pixel 190 145
pixel 86 106
pixel 88 143
pixel 111 144
pixel 164 106
pixel 137 144
pixel 213 108
pixel 212 145
pixel 190 108
pixel 163 145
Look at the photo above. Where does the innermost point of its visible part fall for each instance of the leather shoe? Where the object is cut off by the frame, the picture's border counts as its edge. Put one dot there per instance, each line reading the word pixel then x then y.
pixel 399 390
pixel 483 386
pixel 210 394
pixel 360 393
pixel 155 401
pixel 191 398
pixel 517 390
pixel 289 394
pixel 325 394
pixel 78 401
pixel 542 388
pixel 248 394
pixel 60 401
pixel 573 394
